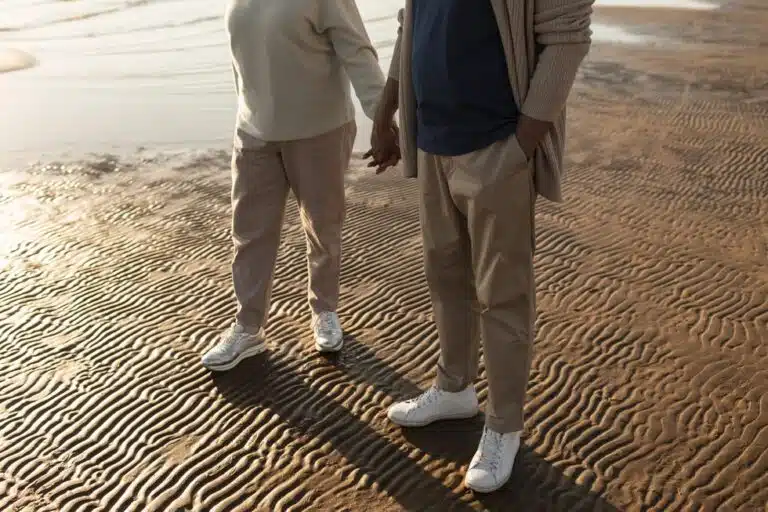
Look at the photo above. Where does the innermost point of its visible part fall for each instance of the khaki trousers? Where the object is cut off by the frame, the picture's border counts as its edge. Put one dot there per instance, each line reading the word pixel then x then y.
pixel 262 175
pixel 477 216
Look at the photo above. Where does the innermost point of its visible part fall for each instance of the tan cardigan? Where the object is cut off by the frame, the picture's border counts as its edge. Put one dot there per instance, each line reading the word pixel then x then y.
pixel 545 42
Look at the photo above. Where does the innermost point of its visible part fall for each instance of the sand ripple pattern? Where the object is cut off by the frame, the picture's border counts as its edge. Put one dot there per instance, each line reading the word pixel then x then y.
pixel 649 389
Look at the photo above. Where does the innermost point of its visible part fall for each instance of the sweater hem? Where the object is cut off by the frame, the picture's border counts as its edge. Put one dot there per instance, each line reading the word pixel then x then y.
pixel 290 135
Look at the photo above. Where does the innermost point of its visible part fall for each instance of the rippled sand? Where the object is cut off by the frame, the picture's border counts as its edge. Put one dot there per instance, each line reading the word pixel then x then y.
pixel 649 389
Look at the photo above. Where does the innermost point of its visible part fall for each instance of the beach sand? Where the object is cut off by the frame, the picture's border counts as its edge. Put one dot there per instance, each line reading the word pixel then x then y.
pixel 649 388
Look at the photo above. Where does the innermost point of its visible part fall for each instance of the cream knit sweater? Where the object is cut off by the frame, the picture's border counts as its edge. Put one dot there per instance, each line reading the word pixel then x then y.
pixel 293 62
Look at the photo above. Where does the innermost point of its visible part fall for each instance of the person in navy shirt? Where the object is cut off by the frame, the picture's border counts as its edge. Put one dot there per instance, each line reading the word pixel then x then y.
pixel 458 71
pixel 457 54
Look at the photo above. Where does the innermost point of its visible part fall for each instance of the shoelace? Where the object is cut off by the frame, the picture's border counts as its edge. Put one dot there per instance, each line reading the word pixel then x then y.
pixel 426 398
pixel 325 324
pixel 228 339
pixel 490 450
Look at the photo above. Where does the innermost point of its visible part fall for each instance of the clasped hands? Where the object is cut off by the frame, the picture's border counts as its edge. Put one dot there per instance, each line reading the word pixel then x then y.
pixel 385 143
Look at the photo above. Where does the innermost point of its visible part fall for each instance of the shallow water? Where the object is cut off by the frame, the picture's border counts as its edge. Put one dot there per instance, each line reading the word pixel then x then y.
pixel 117 75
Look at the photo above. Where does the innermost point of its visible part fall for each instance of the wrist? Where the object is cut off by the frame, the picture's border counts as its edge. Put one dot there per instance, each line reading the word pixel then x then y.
pixel 525 144
pixel 384 116
pixel 388 104
pixel 530 132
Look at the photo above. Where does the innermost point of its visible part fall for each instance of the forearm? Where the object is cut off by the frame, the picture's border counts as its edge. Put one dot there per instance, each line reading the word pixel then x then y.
pixel 394 65
pixel 547 94
pixel 562 27
pixel 530 132
pixel 553 80
pixel 389 101
pixel 390 98
pixel 385 133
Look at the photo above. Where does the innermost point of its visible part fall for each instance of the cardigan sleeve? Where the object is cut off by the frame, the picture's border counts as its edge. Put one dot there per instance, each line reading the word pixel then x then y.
pixel 562 29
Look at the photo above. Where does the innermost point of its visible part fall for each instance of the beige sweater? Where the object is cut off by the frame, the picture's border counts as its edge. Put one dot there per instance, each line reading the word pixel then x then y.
pixel 545 42
pixel 293 62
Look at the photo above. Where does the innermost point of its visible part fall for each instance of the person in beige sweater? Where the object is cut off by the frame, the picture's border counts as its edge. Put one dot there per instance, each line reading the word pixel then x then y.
pixel 293 63
pixel 481 87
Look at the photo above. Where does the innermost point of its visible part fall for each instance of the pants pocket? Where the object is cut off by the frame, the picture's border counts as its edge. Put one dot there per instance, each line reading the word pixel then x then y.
pixel 517 155
pixel 504 160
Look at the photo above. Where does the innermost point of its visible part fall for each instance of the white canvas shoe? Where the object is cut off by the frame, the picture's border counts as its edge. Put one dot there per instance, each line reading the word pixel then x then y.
pixel 235 344
pixel 492 464
pixel 434 405
pixel 329 337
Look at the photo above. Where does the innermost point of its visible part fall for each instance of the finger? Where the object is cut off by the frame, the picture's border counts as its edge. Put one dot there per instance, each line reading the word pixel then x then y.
pixel 378 158
pixel 391 162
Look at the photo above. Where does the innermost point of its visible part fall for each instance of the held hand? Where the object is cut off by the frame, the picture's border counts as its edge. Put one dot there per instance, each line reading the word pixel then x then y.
pixel 385 148
pixel 527 144
pixel 530 133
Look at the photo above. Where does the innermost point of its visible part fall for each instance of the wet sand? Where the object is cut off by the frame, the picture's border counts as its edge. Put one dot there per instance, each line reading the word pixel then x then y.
pixel 116 75
pixel 649 389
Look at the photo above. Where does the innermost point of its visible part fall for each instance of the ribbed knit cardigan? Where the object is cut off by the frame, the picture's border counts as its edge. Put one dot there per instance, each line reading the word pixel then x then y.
pixel 545 42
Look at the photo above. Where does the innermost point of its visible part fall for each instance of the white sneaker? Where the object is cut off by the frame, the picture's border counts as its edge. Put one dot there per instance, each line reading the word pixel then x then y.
pixel 235 345
pixel 492 464
pixel 329 337
pixel 435 405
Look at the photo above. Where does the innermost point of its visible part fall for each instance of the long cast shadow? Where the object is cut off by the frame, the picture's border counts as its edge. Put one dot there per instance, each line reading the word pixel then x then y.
pixel 535 485
pixel 249 385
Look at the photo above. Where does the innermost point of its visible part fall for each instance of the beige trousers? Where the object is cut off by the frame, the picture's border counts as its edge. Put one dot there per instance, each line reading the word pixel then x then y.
pixel 477 215
pixel 262 175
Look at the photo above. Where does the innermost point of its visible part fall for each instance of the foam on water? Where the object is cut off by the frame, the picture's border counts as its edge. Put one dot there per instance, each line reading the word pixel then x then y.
pixel 612 34
pixel 14 60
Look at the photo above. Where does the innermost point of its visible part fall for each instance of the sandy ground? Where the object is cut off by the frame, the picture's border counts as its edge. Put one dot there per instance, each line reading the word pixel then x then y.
pixel 649 389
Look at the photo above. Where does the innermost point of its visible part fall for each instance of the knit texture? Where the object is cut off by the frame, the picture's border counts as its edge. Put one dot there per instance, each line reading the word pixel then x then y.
pixel 293 63
pixel 545 42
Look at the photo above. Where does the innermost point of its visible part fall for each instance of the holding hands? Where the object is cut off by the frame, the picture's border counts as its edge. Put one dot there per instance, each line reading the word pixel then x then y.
pixel 385 135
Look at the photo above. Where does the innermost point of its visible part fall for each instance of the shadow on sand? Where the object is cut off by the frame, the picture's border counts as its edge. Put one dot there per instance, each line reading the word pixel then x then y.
pixel 535 485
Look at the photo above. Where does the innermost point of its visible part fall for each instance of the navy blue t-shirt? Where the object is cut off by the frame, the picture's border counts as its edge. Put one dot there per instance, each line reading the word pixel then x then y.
pixel 460 77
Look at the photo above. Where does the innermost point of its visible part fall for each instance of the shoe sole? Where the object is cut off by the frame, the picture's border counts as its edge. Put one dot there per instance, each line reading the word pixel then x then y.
pixel 327 350
pixel 487 489
pixel 411 424
pixel 253 351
